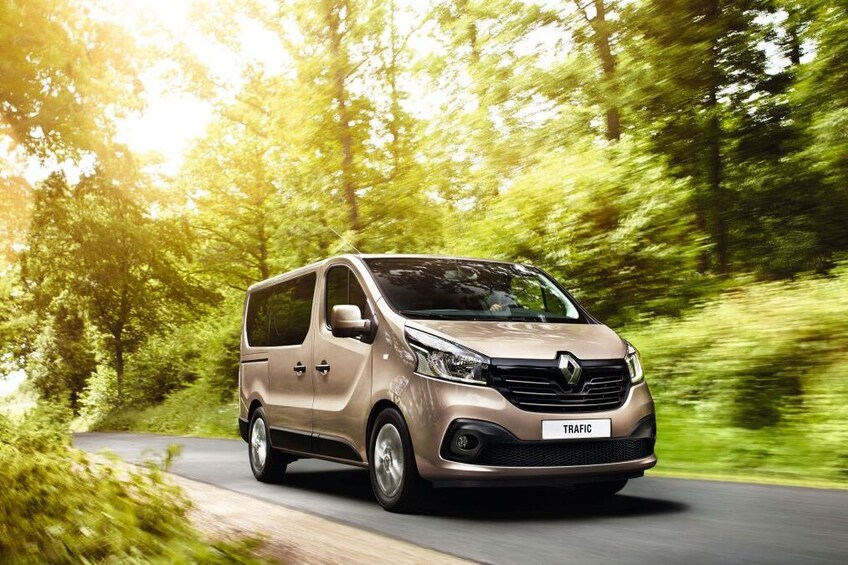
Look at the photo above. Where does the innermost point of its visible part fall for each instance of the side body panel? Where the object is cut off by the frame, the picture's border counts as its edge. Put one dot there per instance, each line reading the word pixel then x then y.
pixel 290 394
pixel 267 375
pixel 343 394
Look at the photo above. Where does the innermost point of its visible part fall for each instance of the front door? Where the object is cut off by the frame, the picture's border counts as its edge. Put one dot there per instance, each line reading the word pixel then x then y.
pixel 291 372
pixel 343 384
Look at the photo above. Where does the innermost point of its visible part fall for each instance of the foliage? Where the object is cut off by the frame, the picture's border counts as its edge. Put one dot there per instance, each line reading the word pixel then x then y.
pixel 761 374
pixel 64 74
pixel 64 358
pixel 572 209
pixel 60 507
pixel 196 410
pixel 193 368
pixel 94 249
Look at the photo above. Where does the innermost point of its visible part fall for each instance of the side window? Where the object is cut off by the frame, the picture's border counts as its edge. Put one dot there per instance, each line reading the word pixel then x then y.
pixel 557 306
pixel 537 294
pixel 257 318
pixel 528 293
pixel 290 310
pixel 343 288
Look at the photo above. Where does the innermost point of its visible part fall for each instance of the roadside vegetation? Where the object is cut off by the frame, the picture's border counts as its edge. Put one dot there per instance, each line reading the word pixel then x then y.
pixel 192 411
pixel 754 384
pixel 59 506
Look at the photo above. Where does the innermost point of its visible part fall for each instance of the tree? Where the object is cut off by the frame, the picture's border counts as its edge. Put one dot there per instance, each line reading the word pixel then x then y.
pixel 64 76
pixel 709 103
pixel 594 215
pixel 822 97
pixel 599 30
pixel 479 138
pixel 64 355
pixel 95 246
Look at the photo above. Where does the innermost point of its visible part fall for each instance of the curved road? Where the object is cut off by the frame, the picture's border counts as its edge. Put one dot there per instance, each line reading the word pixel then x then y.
pixel 653 519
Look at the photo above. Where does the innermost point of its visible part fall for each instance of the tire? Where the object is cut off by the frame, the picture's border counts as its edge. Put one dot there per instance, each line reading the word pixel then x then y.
pixel 394 476
pixel 599 491
pixel 268 464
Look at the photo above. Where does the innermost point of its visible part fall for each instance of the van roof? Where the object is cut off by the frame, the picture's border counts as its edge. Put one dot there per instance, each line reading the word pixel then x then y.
pixel 314 266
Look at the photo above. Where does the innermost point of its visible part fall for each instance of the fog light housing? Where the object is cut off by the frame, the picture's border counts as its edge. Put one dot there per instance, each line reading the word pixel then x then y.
pixel 466 442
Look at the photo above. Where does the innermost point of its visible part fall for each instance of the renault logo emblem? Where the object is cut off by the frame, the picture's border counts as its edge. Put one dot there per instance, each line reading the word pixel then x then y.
pixel 570 369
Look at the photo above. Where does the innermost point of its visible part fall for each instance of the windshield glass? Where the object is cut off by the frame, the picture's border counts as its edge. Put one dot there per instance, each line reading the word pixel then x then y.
pixel 463 289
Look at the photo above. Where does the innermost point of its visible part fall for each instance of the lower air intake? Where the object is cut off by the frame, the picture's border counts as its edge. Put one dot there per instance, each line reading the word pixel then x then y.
pixel 565 454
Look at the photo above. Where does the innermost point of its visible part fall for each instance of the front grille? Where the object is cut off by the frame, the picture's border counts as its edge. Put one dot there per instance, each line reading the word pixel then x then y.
pixel 564 454
pixel 541 387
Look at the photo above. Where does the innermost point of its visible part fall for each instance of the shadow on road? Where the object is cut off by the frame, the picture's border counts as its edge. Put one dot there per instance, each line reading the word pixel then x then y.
pixel 494 504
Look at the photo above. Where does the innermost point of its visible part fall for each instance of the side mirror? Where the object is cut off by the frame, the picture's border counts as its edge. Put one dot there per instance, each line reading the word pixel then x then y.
pixel 346 321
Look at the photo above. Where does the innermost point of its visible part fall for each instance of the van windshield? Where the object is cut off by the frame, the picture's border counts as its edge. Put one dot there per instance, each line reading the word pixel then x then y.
pixel 463 289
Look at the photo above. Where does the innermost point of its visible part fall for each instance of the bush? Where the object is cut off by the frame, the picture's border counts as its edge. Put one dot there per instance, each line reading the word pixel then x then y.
pixel 755 380
pixel 60 507
pixel 196 410
pixel 206 348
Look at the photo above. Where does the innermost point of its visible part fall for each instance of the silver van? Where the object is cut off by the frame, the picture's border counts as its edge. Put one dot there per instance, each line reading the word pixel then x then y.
pixel 439 371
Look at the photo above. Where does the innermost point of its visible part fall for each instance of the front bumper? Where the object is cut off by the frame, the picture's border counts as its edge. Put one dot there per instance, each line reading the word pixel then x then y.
pixel 483 443
pixel 510 448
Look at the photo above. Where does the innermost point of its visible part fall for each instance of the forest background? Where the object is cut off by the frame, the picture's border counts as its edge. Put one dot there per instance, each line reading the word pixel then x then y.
pixel 680 165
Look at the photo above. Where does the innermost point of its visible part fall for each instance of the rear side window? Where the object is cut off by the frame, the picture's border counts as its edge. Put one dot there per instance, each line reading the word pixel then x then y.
pixel 281 315
pixel 343 288
pixel 257 318
pixel 290 308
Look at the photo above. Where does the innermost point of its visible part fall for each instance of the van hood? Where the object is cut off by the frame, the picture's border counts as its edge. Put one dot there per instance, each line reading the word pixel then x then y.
pixel 528 340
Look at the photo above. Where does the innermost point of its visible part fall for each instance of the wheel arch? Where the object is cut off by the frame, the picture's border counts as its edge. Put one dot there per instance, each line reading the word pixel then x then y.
pixel 381 405
pixel 244 424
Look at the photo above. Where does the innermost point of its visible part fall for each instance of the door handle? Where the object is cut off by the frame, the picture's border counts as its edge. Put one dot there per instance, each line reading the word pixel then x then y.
pixel 323 367
pixel 300 368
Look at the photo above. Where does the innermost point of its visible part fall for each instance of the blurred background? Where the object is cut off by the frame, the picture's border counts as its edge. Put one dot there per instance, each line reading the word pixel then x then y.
pixel 680 165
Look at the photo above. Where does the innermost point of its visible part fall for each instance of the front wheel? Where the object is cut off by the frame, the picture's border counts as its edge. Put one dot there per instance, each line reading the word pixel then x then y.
pixel 394 475
pixel 268 464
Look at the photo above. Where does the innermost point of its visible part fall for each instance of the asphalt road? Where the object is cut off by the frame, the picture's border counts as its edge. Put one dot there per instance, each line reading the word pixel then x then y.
pixel 653 520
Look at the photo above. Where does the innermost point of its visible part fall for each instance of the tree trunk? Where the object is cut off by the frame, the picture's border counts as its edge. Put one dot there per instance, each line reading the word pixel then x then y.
pixel 794 43
pixel 339 69
pixel 119 366
pixel 262 251
pixel 602 43
pixel 717 198
pixel 716 187
pixel 391 74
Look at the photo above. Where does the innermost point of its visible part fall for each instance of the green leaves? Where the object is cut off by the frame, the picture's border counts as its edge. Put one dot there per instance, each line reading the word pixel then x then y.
pixel 64 75
pixel 98 258
pixel 593 216
pixel 60 506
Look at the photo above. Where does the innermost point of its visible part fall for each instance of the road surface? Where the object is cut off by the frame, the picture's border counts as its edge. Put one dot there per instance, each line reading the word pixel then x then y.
pixel 653 520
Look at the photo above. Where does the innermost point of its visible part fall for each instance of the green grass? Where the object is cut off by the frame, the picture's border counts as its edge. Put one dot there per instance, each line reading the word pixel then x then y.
pixel 690 447
pixel 193 411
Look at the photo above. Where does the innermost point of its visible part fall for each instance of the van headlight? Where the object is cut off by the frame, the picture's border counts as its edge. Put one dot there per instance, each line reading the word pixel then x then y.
pixel 442 359
pixel 637 375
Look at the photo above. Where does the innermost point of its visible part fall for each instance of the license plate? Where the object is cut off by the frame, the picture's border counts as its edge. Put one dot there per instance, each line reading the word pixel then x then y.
pixel 576 429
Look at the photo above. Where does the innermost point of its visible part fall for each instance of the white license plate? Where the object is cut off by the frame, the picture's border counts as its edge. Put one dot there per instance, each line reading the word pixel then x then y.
pixel 576 429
